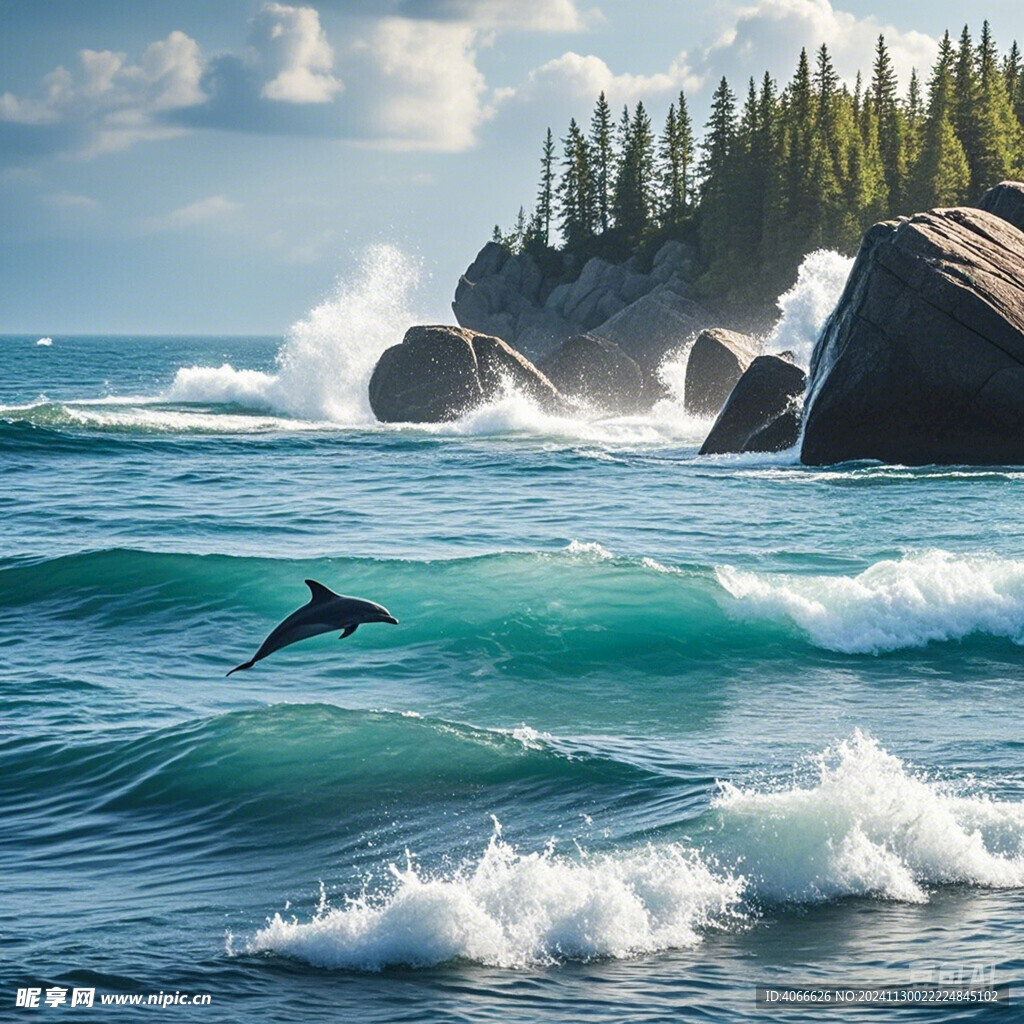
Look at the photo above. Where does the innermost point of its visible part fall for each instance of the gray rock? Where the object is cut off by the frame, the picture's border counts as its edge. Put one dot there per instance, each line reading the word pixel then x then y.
pixel 767 393
pixel 439 373
pixel 922 360
pixel 1006 201
pixel 717 360
pixel 595 371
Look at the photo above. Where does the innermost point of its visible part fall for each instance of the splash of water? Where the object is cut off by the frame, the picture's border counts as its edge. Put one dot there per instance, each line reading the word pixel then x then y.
pixel 808 304
pixel 324 366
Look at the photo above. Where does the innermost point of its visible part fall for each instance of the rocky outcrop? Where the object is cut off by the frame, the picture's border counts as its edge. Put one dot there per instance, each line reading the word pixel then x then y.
pixel 510 296
pixel 597 372
pixel 922 360
pixel 762 414
pixel 717 360
pixel 1006 201
pixel 439 373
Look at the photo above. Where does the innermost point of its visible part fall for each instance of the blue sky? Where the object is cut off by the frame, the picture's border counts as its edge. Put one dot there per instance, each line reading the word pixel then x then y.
pixel 201 167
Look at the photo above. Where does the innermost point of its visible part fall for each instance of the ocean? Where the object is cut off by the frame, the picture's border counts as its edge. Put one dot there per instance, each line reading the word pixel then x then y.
pixel 654 729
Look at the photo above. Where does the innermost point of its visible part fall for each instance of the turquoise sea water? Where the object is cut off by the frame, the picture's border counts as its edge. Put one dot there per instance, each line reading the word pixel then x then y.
pixel 653 729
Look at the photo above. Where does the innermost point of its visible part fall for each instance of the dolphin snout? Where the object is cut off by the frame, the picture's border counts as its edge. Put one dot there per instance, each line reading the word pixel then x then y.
pixel 389 618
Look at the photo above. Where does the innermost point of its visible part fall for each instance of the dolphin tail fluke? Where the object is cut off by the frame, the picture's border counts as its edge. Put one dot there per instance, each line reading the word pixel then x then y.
pixel 242 667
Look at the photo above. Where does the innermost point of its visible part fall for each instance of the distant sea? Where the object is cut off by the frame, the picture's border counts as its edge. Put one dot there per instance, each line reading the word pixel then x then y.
pixel 654 728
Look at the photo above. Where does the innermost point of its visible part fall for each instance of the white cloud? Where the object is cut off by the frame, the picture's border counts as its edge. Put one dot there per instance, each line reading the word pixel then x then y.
pixel 769 34
pixel 421 87
pixel 579 77
pixel 111 102
pixel 294 55
pixel 765 36
pixel 199 212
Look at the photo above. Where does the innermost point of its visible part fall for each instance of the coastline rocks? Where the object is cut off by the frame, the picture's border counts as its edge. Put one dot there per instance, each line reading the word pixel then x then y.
pixel 762 413
pixel 596 371
pixel 922 360
pixel 1006 201
pixel 439 373
pixel 717 360
pixel 535 310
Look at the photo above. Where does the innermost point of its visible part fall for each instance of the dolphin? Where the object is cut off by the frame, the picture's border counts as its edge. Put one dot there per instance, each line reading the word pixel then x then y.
pixel 325 612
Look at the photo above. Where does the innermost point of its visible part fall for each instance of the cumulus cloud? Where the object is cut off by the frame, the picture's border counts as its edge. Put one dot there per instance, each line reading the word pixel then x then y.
pixel 578 77
pixel 107 102
pixel 766 35
pixel 769 34
pixel 294 54
pixel 420 86
pixel 199 212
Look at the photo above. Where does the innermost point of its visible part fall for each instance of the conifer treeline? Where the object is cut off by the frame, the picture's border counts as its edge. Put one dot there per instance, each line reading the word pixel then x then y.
pixel 792 170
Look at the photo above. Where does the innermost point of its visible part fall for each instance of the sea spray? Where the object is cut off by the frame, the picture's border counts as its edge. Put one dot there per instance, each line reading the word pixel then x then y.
pixel 808 304
pixel 514 909
pixel 325 364
pixel 867 825
pixel 864 824
pixel 921 598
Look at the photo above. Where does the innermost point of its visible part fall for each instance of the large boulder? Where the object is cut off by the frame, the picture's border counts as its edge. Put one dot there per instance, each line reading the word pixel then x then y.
pixel 922 360
pixel 595 371
pixel 439 373
pixel 763 412
pixel 1006 201
pixel 717 360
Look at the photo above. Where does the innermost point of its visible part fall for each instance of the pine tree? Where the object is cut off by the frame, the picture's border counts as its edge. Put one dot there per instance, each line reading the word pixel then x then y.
pixel 675 159
pixel 965 92
pixel 635 195
pixel 998 131
pixel 942 175
pixel 715 167
pixel 685 141
pixel 891 144
pixel 576 189
pixel 545 194
pixel 602 149
pixel 914 120
pixel 1013 72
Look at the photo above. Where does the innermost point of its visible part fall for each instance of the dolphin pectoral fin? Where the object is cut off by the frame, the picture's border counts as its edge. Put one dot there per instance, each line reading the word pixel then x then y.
pixel 242 667
pixel 348 631
pixel 319 592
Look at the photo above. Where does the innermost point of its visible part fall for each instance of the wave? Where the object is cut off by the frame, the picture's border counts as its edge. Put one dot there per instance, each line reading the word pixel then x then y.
pixel 530 605
pixel 289 761
pixel 921 598
pixel 867 825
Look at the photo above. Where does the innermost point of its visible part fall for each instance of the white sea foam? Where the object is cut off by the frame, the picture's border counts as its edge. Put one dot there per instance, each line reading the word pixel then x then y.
pixel 325 364
pixel 896 603
pixel 807 305
pixel 513 909
pixel 588 549
pixel 863 824
pixel 868 825
pixel 45 342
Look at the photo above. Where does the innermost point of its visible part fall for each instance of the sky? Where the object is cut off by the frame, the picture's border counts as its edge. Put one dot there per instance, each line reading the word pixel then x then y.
pixel 182 166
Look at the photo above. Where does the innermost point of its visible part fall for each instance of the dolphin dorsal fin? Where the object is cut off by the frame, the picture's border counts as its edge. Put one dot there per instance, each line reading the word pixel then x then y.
pixel 319 592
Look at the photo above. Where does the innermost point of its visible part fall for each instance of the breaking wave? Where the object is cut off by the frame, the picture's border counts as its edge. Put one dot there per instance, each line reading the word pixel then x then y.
pixel 921 598
pixel 865 825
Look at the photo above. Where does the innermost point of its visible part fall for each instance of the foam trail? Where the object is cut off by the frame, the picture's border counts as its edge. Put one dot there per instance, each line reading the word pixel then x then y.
pixel 324 367
pixel 869 826
pixel 511 909
pixel 808 304
pixel 918 599
pixel 45 342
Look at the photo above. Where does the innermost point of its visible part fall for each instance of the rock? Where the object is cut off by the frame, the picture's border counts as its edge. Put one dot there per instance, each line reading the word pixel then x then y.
pixel 1006 201
pixel 716 362
pixel 536 304
pixel 439 373
pixel 595 371
pixel 922 360
pixel 761 414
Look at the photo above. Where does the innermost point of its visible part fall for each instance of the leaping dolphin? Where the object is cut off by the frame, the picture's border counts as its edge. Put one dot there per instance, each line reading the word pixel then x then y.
pixel 325 612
